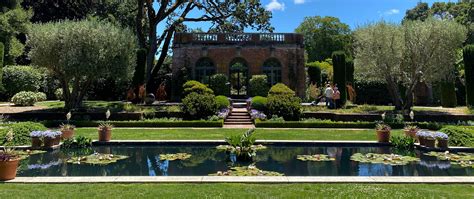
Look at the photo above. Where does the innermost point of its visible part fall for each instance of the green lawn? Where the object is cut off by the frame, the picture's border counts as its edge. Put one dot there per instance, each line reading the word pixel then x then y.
pixel 222 190
pixel 203 134
pixel 380 109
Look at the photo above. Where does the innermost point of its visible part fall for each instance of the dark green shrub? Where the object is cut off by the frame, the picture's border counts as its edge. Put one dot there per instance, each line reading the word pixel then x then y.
pixel 372 93
pixel 2 53
pixel 280 89
pixel 258 85
pixel 314 73
pixel 222 102
pixel 21 78
pixel 339 74
pixel 140 123
pixel 193 86
pixel 259 103
pixel 459 136
pixel 468 55
pixel 448 94
pixel 219 84
pixel 199 106
pixel 139 74
pixel 350 71
pixel 21 132
pixel 402 142
pixel 77 142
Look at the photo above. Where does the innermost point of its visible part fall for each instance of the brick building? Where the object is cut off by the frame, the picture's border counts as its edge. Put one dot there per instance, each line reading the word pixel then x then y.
pixel 278 55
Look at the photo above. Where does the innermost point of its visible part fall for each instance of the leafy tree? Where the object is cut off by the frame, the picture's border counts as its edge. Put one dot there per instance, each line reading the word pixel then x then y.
pixel 323 36
pixel 224 16
pixel 468 54
pixel 419 12
pixel 14 23
pixel 408 54
pixel 80 52
pixel 339 65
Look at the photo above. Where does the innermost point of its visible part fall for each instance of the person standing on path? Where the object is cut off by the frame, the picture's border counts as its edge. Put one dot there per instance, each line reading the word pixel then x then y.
pixel 329 94
pixel 337 97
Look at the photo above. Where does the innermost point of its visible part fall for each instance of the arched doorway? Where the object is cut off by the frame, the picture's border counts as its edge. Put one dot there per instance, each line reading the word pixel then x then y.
pixel 238 74
pixel 272 68
pixel 204 69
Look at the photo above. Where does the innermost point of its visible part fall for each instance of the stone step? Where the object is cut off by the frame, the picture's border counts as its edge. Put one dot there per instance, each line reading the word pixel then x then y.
pixel 239 113
pixel 239 117
pixel 238 120
pixel 238 123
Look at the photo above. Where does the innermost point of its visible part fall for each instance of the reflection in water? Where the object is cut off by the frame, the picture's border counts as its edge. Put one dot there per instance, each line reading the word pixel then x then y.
pixel 145 161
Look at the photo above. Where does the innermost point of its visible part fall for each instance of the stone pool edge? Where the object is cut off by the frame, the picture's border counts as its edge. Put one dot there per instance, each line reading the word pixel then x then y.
pixel 249 179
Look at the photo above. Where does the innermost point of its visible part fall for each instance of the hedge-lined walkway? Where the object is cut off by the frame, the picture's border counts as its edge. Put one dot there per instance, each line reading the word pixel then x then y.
pixel 220 134
pixel 237 190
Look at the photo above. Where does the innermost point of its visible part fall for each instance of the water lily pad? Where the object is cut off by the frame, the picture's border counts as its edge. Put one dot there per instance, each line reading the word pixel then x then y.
pixel 97 159
pixel 389 159
pixel 315 158
pixel 461 159
pixel 231 148
pixel 175 156
pixel 25 154
pixel 246 171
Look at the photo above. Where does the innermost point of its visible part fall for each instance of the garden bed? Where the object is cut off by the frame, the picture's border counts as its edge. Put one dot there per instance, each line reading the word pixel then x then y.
pixel 336 124
pixel 371 117
pixel 140 123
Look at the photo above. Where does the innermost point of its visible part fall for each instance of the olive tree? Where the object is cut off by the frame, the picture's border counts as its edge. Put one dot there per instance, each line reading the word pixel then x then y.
pixel 79 52
pixel 417 51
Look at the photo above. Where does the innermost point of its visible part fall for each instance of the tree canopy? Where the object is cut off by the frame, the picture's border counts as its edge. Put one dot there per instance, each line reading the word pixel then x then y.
pixel 407 54
pixel 323 36
pixel 79 52
pixel 14 23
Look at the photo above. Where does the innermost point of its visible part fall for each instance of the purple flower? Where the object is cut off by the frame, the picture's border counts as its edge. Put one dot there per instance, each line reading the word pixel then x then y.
pixel 257 114
pixel 51 134
pixel 36 134
pixel 441 136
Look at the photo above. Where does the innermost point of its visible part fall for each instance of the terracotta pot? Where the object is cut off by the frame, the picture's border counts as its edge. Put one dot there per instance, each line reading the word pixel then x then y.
pixel 8 169
pixel 421 140
pixel 67 134
pixel 105 135
pixel 36 142
pixel 57 140
pixel 430 143
pixel 383 136
pixel 443 144
pixel 410 133
pixel 48 142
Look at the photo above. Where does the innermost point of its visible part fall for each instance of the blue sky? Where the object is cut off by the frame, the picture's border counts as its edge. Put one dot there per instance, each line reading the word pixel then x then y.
pixel 288 14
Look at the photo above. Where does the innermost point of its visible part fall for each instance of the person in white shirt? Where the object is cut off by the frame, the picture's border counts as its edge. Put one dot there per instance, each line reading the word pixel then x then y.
pixel 329 94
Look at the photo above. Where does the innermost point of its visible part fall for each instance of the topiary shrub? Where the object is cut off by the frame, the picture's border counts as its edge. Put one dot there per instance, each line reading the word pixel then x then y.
pixel 468 56
pixel 199 106
pixel 459 136
pixel 27 98
pixel 222 102
pixel 350 71
pixel 258 85
pixel 280 89
pixel 21 133
pixel 314 73
pixel 193 86
pixel 21 78
pixel 139 74
pixel 339 75
pixel 448 94
pixel 219 84
pixel 259 103
pixel 282 102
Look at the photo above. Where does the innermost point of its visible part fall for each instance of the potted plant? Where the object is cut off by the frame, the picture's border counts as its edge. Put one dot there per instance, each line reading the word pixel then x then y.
pixel 442 139
pixel 36 139
pixel 51 138
pixel 8 165
pixel 105 132
pixel 430 140
pixel 67 131
pixel 8 160
pixel 411 130
pixel 383 132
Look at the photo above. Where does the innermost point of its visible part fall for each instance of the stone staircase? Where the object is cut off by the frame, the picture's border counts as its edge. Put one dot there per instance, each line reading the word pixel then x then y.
pixel 239 114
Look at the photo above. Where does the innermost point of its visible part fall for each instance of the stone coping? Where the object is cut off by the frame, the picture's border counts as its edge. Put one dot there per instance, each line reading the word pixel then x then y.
pixel 249 179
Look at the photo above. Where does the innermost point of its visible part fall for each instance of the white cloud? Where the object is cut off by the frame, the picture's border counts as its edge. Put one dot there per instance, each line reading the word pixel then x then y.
pixel 392 12
pixel 275 5
pixel 299 1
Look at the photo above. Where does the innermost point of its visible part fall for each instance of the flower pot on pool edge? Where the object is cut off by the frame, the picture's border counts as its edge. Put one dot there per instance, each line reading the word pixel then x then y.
pixel 48 142
pixel 36 142
pixel 105 135
pixel 57 140
pixel 67 134
pixel 442 143
pixel 8 169
pixel 430 143
pixel 421 140
pixel 410 133
pixel 383 135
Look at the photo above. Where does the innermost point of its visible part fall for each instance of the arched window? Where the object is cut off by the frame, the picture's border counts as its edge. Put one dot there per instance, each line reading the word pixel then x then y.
pixel 272 68
pixel 204 70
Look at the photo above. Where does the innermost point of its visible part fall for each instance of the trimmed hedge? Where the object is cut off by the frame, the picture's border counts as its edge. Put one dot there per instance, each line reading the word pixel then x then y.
pixel 21 133
pixel 218 83
pixel 258 85
pixel 314 73
pixel 448 94
pixel 222 102
pixel 259 103
pixel 21 78
pixel 141 123
pixel 468 55
pixel 194 86
pixel 339 75
pixel 337 124
pixel 459 135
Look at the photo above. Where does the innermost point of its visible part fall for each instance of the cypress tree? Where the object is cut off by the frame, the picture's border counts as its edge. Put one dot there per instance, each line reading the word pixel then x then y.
pixel 448 94
pixel 139 74
pixel 339 74
pixel 468 55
